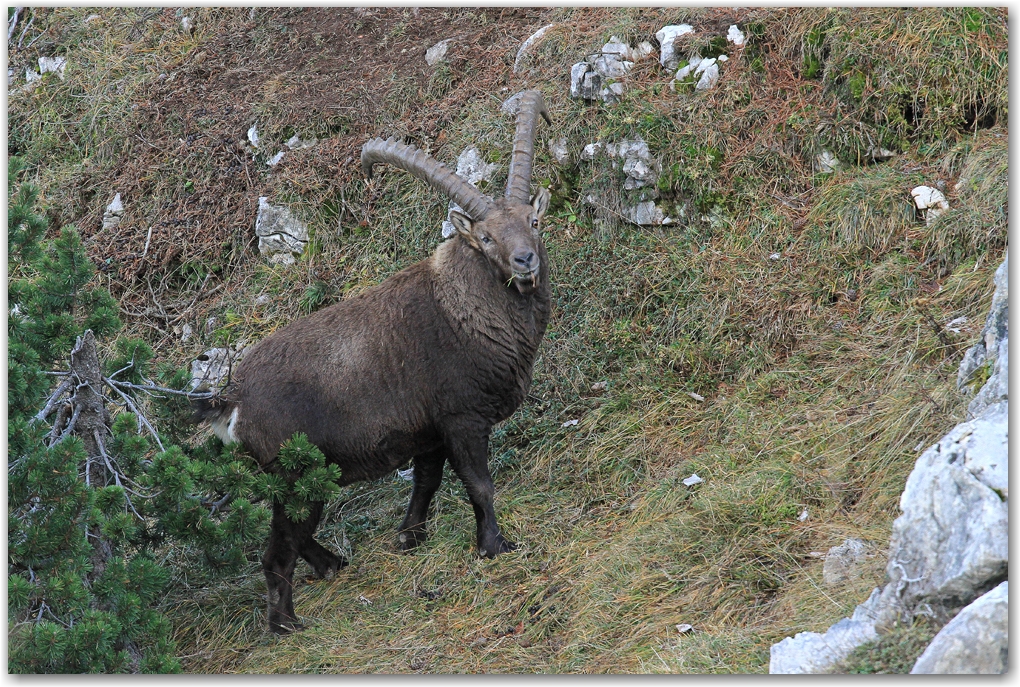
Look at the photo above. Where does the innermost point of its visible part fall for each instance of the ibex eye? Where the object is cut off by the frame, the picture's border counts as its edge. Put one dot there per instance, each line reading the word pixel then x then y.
pixel 534 224
pixel 486 239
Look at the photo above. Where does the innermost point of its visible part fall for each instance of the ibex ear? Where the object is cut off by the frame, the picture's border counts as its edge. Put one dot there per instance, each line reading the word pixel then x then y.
pixel 540 201
pixel 462 223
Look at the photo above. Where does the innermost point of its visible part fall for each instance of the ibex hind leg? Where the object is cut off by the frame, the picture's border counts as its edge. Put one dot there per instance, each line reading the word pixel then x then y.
pixel 287 541
pixel 323 561
pixel 428 475
pixel 278 564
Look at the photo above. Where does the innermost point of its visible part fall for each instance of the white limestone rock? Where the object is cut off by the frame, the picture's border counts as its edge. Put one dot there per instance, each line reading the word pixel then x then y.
pixel 734 35
pixel 281 234
pixel 669 54
pixel 527 45
pixel 827 163
pixel 975 642
pixel 54 65
pixel 843 562
pixel 992 349
pixel 952 538
pixel 931 201
pixel 472 168
pixel 644 214
pixel 437 52
pixel 814 652
pixel 559 151
pixel 114 213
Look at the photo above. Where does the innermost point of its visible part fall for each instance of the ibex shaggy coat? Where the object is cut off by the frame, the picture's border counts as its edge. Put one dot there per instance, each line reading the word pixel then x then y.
pixel 418 368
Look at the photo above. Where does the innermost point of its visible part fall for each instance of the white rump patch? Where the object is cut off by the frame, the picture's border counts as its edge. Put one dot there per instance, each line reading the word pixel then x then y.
pixel 226 430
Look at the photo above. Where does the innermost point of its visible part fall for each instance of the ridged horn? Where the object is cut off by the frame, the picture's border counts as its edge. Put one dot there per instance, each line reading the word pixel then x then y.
pixel 518 183
pixel 428 169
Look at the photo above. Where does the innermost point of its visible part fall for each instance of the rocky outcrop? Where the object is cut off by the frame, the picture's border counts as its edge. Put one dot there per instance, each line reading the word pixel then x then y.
pixel 976 641
pixel 950 545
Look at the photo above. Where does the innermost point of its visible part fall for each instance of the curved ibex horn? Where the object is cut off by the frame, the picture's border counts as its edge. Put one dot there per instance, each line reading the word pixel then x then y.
pixel 431 171
pixel 518 184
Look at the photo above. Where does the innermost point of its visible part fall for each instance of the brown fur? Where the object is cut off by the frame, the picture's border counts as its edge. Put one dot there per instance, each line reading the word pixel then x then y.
pixel 417 368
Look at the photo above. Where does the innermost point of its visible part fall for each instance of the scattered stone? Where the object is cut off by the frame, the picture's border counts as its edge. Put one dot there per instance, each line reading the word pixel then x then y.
pixel 281 235
pixel 954 325
pixel 709 71
pixel 185 333
pixel 879 154
pixel 827 163
pixel 723 58
pixel 669 56
pixel 512 105
pixel 735 35
pixel 931 201
pixel 644 214
pixel 472 168
pixel 437 52
pixel 275 160
pixel 841 562
pixel 211 369
pixel 641 51
pixel 976 641
pixel 407 475
pixel 188 24
pixel 775 256
pixel 684 628
pixel 295 142
pixel 10 76
pixel 526 45
pixel 55 65
pixel 692 480
pixel 599 77
pixel 696 396
pixel 600 386
pixel 705 70
pixel 264 299
pixel 591 150
pixel 114 213
pixel 559 151
pixel 253 135
pixel 803 515
pixel 91 18
pixel 569 423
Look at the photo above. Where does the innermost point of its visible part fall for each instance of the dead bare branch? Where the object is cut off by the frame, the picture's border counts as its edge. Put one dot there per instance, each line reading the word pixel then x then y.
pixel 52 402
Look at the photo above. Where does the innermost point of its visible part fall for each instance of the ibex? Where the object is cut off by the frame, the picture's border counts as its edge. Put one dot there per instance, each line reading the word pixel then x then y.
pixel 418 368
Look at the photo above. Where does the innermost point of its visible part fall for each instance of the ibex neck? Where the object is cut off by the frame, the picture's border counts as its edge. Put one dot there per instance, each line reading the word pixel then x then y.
pixel 482 306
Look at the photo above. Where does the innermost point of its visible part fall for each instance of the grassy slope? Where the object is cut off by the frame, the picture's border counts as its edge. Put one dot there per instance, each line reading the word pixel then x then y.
pixel 821 371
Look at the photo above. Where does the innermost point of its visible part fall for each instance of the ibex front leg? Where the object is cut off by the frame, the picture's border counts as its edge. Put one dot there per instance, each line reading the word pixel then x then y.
pixel 428 475
pixel 469 455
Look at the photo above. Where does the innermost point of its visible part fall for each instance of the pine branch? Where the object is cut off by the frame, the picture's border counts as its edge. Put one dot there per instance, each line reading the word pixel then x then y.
pixel 131 404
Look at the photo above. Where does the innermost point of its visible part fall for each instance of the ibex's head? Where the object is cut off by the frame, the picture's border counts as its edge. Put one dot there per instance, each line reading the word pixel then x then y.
pixel 508 231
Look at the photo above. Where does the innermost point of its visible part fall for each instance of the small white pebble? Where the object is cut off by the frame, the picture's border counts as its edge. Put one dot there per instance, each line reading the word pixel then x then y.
pixel 697 397
pixel 692 480
pixel 775 256
pixel 684 628
pixel 803 516
pixel 569 423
